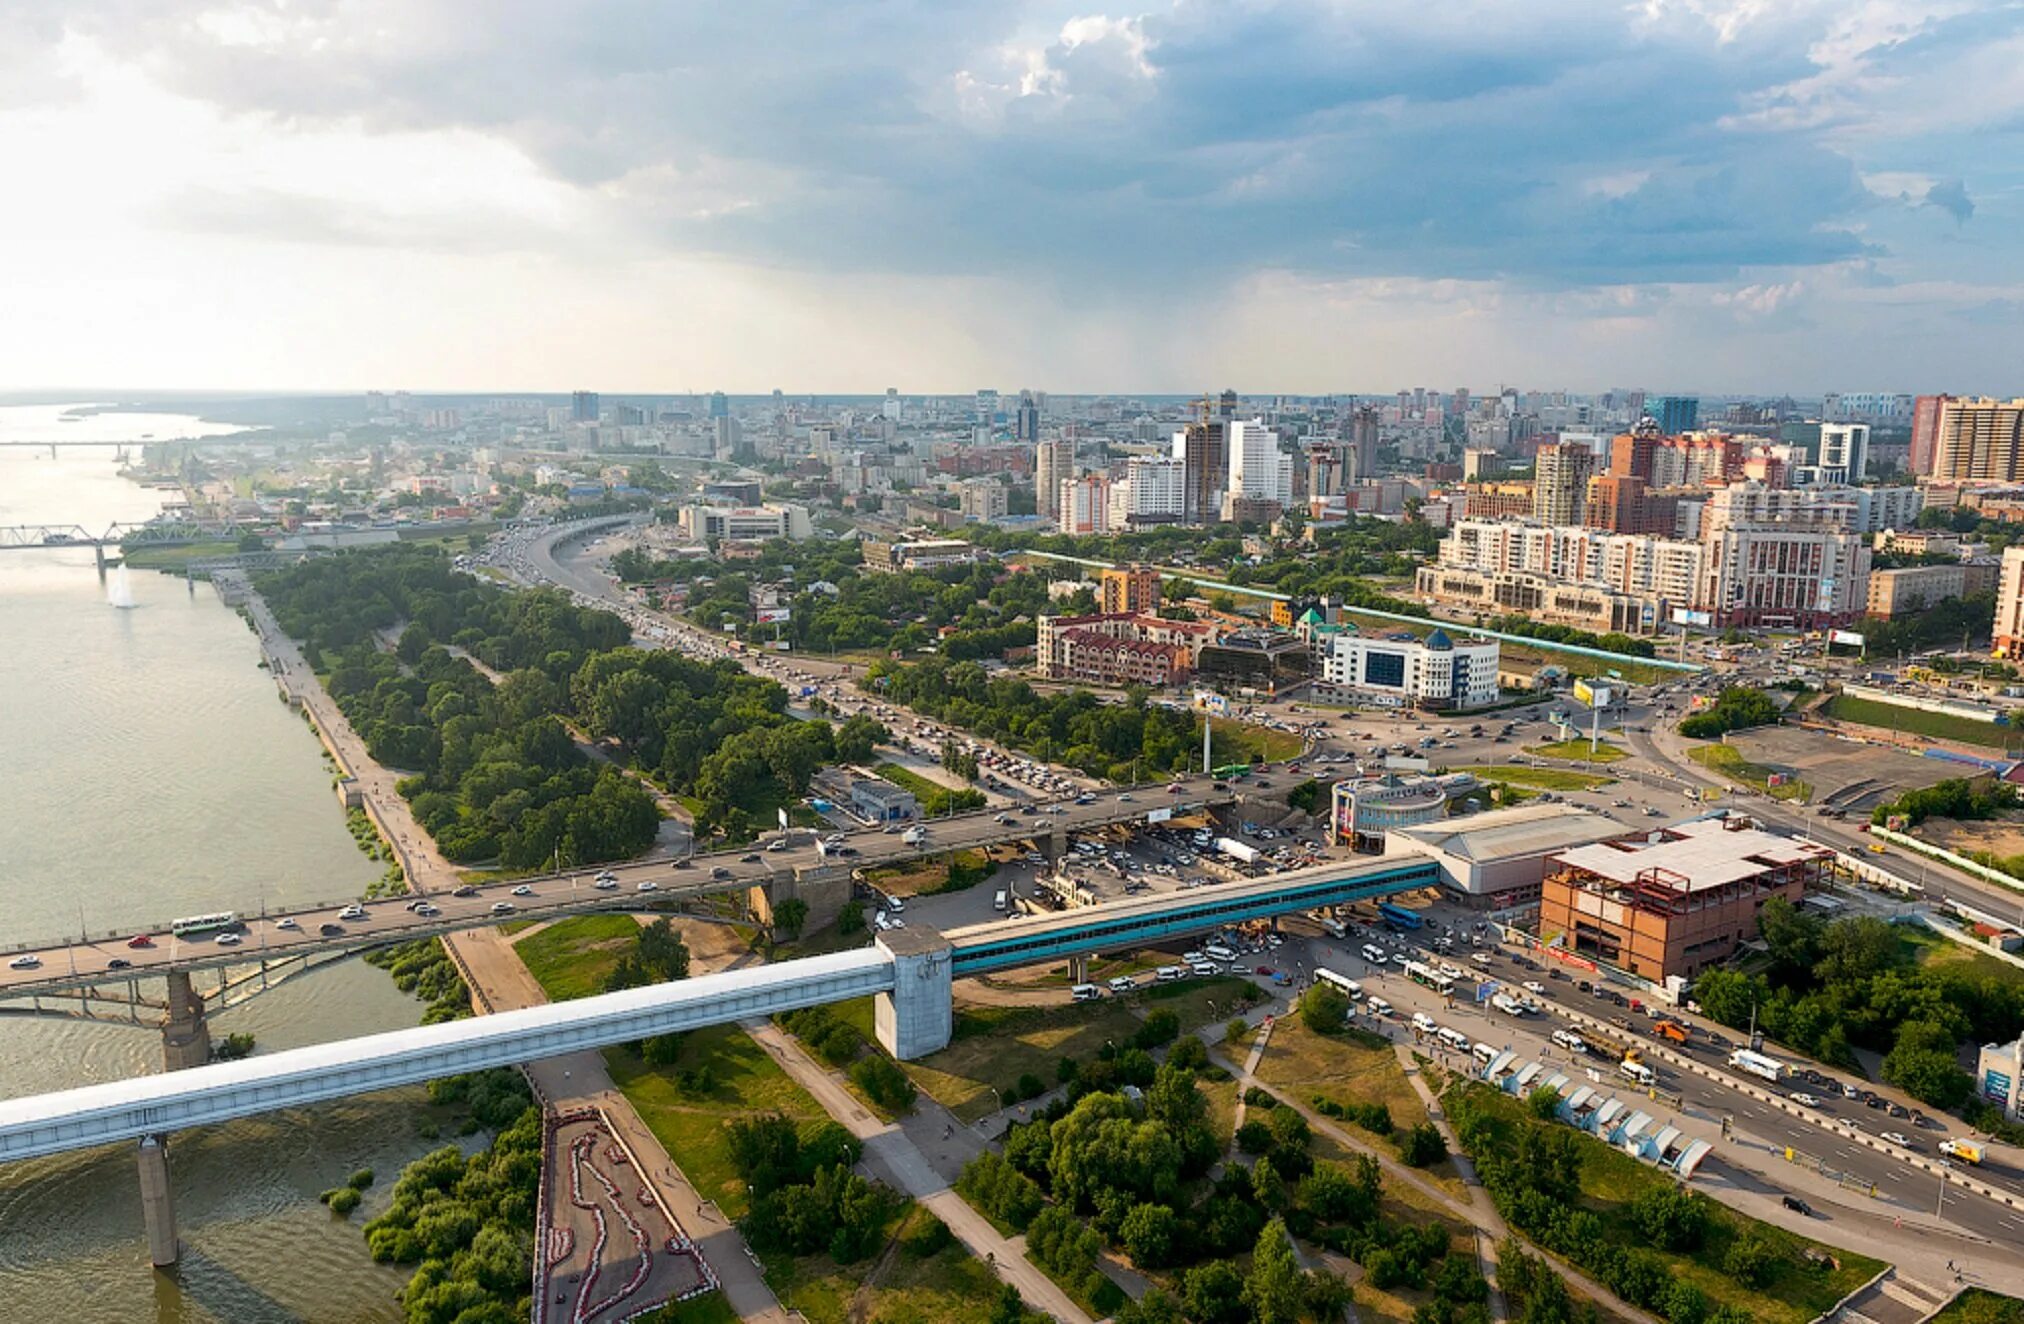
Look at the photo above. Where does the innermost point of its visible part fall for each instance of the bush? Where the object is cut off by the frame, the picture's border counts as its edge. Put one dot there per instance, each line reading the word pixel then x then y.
pixel 1254 1137
pixel 1751 1260
pixel 884 1083
pixel 1323 1009
pixel 928 1236
pixel 359 1180
pixel 1162 1027
pixel 342 1200
pixel 1422 1146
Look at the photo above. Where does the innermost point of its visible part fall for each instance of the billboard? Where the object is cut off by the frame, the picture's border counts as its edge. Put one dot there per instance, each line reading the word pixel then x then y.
pixel 774 615
pixel 1592 694
pixel 1702 619
pixel 1852 638
pixel 1160 815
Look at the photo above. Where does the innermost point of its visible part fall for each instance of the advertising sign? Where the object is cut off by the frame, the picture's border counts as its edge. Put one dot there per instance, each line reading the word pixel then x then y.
pixel 774 615
pixel 1996 1085
pixel 1852 638
pixel 1682 616
pixel 1160 815
pixel 1592 694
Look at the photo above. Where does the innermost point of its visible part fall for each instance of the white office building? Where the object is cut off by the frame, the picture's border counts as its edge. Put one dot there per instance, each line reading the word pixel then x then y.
pixel 1258 469
pixel 1844 452
pixel 1152 491
pixel 746 523
pixel 1434 672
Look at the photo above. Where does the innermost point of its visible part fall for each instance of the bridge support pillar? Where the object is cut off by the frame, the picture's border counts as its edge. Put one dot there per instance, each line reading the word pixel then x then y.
pixel 917 1017
pixel 186 1034
pixel 1054 845
pixel 158 1201
pixel 825 890
pixel 1078 969
pixel 98 551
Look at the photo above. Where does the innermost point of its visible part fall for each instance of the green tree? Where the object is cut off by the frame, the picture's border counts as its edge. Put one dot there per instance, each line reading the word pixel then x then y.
pixel 789 916
pixel 1149 1233
pixel 1214 1293
pixel 1323 1009
pixel 1274 1289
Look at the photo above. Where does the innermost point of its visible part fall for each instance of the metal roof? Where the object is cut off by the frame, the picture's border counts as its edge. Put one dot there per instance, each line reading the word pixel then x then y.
pixel 1703 852
pixel 1506 834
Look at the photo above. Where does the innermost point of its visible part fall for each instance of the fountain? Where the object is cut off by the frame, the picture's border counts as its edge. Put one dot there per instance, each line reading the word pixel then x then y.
pixel 119 589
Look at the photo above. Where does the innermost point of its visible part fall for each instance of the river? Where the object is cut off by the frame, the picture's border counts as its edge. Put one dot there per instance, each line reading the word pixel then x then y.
pixel 147 770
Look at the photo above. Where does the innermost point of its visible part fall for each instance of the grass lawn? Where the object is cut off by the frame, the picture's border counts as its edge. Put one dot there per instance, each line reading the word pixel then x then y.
pixel 1928 948
pixel 929 875
pixel 1612 1180
pixel 950 1285
pixel 935 798
pixel 175 558
pixel 691 1127
pixel 1237 742
pixel 710 1309
pixel 1940 726
pixel 571 957
pixel 994 1046
pixel 1577 751
pixel 1540 779
pixel 1729 761
pixel 1977 1306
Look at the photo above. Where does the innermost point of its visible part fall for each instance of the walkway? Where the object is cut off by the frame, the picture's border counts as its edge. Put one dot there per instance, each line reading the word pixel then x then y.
pixel 499 981
pixel 894 1152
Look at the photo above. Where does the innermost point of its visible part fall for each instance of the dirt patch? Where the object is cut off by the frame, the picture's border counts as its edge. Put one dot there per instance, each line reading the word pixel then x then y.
pixel 1833 766
pixel 2002 837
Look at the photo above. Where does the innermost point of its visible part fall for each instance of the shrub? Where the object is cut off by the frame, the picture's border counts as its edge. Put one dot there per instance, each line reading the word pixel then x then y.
pixel 1422 1146
pixel 342 1200
pixel 884 1083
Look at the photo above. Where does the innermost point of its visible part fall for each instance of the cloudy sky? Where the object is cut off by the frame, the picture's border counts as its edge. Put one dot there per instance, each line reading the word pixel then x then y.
pixel 1717 195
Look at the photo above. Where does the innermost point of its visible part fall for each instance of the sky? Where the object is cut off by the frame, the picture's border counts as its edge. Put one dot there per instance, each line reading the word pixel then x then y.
pixel 1748 196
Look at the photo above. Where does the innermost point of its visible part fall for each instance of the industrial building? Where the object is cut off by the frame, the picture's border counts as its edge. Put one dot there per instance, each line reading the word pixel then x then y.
pixel 1672 902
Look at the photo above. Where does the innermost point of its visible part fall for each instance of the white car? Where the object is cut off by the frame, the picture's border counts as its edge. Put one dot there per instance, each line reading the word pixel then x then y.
pixel 1533 986
pixel 650 886
pixel 606 884
pixel 286 922
pixel 1804 1099
pixel 503 907
pixel 352 912
pixel 523 890
pixel 1900 1139
pixel 229 940
pixel 24 963
pixel 427 911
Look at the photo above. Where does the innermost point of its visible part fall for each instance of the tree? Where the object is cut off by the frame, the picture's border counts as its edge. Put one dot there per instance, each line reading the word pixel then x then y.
pixel 1323 1009
pixel 1670 1216
pixel 789 916
pixel 1545 1104
pixel 1274 1289
pixel 1149 1233
pixel 1923 1065
pixel 1750 1260
pixel 1794 939
pixel 1213 1293
pixel 1267 1187
pixel 1422 1146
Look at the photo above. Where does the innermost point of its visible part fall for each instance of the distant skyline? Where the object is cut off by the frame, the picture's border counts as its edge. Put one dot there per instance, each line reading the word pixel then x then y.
pixel 628 196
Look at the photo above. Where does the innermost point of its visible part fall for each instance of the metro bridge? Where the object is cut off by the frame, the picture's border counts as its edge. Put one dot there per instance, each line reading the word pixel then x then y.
pixel 909 972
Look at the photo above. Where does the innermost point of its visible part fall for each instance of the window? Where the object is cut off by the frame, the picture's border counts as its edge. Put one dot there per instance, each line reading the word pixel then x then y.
pixel 1384 669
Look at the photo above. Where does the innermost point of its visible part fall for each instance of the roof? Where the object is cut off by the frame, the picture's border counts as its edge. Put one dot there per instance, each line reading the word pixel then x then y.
pixel 1439 639
pixel 1515 833
pixel 1705 852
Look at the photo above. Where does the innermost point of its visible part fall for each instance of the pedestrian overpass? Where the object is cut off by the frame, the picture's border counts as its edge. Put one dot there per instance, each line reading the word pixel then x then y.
pixel 908 971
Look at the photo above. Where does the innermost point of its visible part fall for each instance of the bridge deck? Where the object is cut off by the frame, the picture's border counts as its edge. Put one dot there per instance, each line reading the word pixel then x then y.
pixel 146 1105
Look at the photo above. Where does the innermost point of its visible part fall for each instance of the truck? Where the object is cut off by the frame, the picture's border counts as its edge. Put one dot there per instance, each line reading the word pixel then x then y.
pixel 1507 1004
pixel 1237 850
pixel 1967 1151
pixel 1671 1031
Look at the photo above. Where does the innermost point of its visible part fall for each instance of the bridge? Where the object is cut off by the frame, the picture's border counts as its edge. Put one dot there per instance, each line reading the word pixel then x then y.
pixel 153 533
pixel 909 972
pixel 98 975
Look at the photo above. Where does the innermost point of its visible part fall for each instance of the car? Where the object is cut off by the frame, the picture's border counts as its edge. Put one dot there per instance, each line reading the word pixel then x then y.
pixel 682 864
pixel 1804 1099
pixel 1264 970
pixel 119 963
pixel 720 872
pixel 777 844
pixel 465 890
pixel 140 940
pixel 1125 798
pixel 748 859
pixel 229 939
pixel 24 963
pixel 329 930
pixel 523 890
pixel 503 907
pixel 352 912
pixel 1798 1206
pixel 1533 986
pixel 1898 1138
pixel 606 884
pixel 427 911
pixel 649 885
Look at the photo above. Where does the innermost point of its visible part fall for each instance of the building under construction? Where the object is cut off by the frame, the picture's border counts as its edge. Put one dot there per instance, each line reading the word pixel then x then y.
pixel 1675 900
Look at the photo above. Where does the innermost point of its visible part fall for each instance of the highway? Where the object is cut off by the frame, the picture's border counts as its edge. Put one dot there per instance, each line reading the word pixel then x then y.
pixel 638 885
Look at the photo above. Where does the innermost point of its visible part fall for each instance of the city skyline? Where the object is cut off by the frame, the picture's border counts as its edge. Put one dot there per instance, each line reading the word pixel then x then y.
pixel 1725 198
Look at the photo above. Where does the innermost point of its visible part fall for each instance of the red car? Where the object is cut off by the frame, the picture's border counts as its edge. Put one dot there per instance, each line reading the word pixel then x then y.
pixel 1264 970
pixel 140 940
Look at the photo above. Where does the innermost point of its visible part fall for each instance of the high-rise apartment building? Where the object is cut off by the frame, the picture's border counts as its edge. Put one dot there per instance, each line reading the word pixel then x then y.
pixel 720 405
pixel 1677 414
pixel 1925 432
pixel 583 407
pixel 983 499
pixel 2009 628
pixel 1053 461
pixel 1133 588
pixel 1085 504
pixel 1154 491
pixel 1363 439
pixel 1203 450
pixel 1979 440
pixel 1560 483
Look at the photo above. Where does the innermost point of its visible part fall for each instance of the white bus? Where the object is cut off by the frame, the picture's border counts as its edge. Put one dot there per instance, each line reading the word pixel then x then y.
pixel 1323 975
pixel 1770 1068
pixel 1334 927
pixel 1630 1069
pixel 194 924
pixel 1428 977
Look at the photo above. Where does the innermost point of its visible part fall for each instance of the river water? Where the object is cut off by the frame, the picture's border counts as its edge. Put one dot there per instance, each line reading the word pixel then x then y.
pixel 148 770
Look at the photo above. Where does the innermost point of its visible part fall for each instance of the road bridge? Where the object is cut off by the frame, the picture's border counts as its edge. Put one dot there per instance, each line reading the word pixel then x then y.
pixel 908 971
pixel 153 533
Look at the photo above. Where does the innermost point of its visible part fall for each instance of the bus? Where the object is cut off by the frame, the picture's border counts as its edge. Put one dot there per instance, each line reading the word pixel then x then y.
pixel 1428 977
pixel 1398 916
pixel 1231 771
pixel 196 924
pixel 1323 975
pixel 1770 1068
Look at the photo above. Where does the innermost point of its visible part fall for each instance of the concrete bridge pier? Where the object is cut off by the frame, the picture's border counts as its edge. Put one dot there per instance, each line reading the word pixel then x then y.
pixel 918 1016
pixel 97 549
pixel 186 1034
pixel 1054 846
pixel 158 1201
pixel 1078 969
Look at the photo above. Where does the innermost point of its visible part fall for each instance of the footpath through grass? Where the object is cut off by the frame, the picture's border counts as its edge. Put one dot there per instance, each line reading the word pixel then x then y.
pixel 949 1286
pixel 571 957
pixel 1539 779
pixel 1802 1279
pixel 1917 721
pixel 1729 761
pixel 690 1118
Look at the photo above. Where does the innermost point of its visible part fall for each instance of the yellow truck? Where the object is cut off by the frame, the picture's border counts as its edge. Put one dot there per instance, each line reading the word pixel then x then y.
pixel 1967 1151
